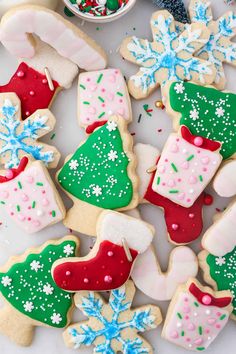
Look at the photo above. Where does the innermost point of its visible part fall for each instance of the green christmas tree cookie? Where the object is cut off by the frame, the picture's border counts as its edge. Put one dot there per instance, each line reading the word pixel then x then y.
pixel 220 272
pixel 31 296
pixel 206 111
pixel 100 175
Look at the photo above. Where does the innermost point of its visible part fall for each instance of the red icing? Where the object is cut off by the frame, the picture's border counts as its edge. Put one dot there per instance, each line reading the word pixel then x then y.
pixel 213 301
pixel 31 88
pixel 15 171
pixel 184 225
pixel 108 270
pixel 90 128
pixel 206 143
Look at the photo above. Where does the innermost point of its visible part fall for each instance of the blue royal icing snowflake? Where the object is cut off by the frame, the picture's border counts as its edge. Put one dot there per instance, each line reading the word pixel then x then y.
pixel 18 137
pixel 219 48
pixel 168 57
pixel 113 326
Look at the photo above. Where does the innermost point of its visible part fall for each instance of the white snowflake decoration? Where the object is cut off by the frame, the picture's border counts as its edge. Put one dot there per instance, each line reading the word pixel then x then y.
pixel 56 318
pixel 96 190
pixel 179 88
pixel 115 324
pixel 28 306
pixel 219 48
pixel 73 164
pixel 6 281
pixel 220 261
pixel 68 250
pixel 19 138
pixel 220 112
pixel 112 156
pixel 168 57
pixel 48 289
pixel 194 114
pixel 111 126
pixel 35 265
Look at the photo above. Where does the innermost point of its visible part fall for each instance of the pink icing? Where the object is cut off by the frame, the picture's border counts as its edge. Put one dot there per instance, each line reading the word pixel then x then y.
pixel 184 170
pixel 30 200
pixel 102 94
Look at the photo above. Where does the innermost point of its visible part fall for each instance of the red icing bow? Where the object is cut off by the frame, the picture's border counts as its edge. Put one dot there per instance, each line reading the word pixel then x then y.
pixel 199 141
pixel 90 128
pixel 207 299
pixel 14 172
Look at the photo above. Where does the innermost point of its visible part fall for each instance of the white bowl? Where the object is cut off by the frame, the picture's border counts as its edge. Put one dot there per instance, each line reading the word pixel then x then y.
pixel 100 19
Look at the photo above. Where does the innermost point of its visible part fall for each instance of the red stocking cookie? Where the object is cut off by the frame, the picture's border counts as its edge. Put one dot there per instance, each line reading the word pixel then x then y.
pixel 120 238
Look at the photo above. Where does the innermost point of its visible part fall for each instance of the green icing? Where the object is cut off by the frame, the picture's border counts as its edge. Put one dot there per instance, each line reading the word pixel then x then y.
pixel 223 272
pixel 97 172
pixel 207 112
pixel 28 286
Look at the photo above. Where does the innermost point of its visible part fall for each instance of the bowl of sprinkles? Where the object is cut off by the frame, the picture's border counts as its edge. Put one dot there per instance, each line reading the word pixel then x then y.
pixel 99 10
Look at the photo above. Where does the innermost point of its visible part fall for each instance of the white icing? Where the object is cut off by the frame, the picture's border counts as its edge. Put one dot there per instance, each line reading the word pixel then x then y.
pixel 220 238
pixel 66 38
pixel 148 277
pixel 113 226
pixel 147 156
pixel 225 181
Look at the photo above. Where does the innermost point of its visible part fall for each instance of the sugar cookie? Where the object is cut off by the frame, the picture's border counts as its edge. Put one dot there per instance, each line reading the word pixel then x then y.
pixel 224 182
pixel 6 5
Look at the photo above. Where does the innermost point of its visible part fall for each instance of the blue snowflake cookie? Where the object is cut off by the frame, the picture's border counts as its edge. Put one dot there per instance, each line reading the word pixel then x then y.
pixel 112 326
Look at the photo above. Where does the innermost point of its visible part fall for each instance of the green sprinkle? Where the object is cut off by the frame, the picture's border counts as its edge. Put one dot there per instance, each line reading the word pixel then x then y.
pixel 222 317
pixel 33 204
pixel 82 86
pixel 179 315
pixel 182 333
pixel 200 330
pixel 120 94
pixel 200 178
pixel 86 102
pixel 53 136
pixel 200 348
pixel 101 99
pixel 99 78
pixel 174 167
pixel 196 304
pixel 158 180
pixel 173 191
pixel 101 115
pixel 18 208
pixel 2 202
pixel 190 157
pixel 53 213
pixel 40 184
pixel 19 184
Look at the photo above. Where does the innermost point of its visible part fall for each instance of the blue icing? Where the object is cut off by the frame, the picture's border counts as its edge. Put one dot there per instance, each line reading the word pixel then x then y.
pixel 14 135
pixel 111 329
pixel 153 60
pixel 201 13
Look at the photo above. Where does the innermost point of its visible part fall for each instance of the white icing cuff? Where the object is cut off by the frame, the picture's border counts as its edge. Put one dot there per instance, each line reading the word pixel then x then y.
pixel 113 227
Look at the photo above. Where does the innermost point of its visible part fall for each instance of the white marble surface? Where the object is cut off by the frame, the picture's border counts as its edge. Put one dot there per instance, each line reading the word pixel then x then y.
pixel 13 241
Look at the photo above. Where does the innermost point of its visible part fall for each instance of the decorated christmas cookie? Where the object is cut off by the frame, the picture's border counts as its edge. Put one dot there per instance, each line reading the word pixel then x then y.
pixel 120 239
pixel 53 29
pixel 168 57
pixel 224 182
pixel 219 48
pixel 112 327
pixel 100 175
pixel 206 111
pixel 102 94
pixel 29 196
pixel 18 138
pixel 196 316
pixel 219 272
pixel 31 297
pixel 186 166
pixel 184 225
pixel 6 5
pixel 149 278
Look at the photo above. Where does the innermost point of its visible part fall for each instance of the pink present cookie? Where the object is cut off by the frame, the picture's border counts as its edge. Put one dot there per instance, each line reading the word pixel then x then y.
pixel 30 197
pixel 196 316
pixel 186 166
pixel 102 94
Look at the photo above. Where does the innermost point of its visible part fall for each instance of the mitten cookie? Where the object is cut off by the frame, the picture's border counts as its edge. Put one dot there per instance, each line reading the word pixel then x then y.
pixel 168 57
pixel 102 94
pixel 196 315
pixel 219 48
pixel 186 166
pixel 18 138
pixel 31 297
pixel 29 196
pixel 149 278
pixel 100 175
pixel 219 272
pixel 112 327
pixel 206 111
